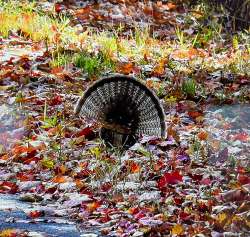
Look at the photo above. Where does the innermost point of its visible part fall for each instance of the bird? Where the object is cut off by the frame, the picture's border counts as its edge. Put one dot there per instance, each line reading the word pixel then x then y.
pixel 125 108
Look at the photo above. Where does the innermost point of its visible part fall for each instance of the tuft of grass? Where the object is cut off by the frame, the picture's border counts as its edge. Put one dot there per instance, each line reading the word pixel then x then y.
pixel 107 44
pixel 90 65
pixel 94 65
pixel 180 37
pixel 59 60
pixel 189 87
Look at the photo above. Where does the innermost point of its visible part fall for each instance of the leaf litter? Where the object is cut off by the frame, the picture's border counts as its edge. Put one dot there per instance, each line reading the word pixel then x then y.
pixel 193 183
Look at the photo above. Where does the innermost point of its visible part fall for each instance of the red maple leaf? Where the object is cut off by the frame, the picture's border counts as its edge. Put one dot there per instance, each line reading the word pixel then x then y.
pixel 243 137
pixel 243 179
pixel 87 132
pixel 8 187
pixel 169 178
pixel 36 214
pixel 56 100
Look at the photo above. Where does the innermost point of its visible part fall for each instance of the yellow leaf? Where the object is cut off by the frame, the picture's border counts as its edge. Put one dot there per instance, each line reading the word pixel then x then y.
pixel 8 233
pixel 96 151
pixel 221 217
pixel 47 163
pixel 170 99
pixel 159 69
pixel 177 229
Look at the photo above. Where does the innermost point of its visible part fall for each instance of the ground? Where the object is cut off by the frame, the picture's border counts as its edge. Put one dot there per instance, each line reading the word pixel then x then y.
pixel 55 171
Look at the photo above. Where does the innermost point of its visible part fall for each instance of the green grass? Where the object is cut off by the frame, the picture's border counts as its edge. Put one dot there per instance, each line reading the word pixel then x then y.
pixel 93 65
pixel 189 87
pixel 89 64
pixel 60 60
pixel 104 49
pixel 22 18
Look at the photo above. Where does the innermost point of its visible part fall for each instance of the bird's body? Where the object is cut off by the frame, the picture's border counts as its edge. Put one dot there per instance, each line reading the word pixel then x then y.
pixel 125 107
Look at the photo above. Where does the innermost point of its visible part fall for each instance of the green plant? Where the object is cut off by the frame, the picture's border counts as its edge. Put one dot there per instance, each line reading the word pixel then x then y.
pixel 180 37
pixel 141 35
pixel 90 64
pixel 59 59
pixel 232 160
pixel 189 87
pixel 106 62
pixel 50 122
pixel 107 43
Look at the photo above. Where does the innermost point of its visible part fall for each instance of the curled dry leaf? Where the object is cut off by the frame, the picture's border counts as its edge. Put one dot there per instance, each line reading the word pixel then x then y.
pixel 239 194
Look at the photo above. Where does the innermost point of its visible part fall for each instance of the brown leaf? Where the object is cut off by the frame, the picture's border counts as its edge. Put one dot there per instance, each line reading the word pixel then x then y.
pixel 125 68
pixel 239 194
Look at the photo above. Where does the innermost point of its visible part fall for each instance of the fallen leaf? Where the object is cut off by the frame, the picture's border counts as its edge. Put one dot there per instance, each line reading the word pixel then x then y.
pixel 86 132
pixel 60 179
pixel 56 100
pixel 125 68
pixel 203 135
pixel 48 163
pixel 134 167
pixel 93 206
pixel 35 214
pixel 8 187
pixel 169 178
pixel 177 229
pixel 243 137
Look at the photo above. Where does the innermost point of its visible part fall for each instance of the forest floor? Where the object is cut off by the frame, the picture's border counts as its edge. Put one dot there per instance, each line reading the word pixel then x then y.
pixel 57 178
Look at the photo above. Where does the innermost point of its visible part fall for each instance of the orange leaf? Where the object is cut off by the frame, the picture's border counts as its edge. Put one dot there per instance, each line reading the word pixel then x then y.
pixel 60 179
pixel 24 177
pixel 159 69
pixel 79 183
pixel 125 68
pixel 188 53
pixel 61 169
pixel 4 157
pixel 171 6
pixel 171 132
pixel 134 167
pixel 56 70
pixel 194 114
pixel 202 135
pixel 93 206
pixel 8 233
pixel 148 10
pixel 52 131
pixel 36 214
pixel 177 229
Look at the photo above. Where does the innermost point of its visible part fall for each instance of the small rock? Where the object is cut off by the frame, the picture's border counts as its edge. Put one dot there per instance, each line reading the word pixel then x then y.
pixel 128 186
pixel 68 186
pixel 149 221
pixel 35 234
pixel 150 196
pixel 7 176
pixel 88 235
pixel 26 186
pixel 30 197
pixel 137 234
